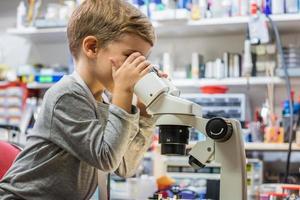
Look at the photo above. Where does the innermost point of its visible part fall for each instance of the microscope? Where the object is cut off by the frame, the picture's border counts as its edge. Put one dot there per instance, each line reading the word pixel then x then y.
pixel 175 116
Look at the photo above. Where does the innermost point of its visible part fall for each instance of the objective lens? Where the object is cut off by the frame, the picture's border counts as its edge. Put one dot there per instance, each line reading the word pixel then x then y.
pixel 173 139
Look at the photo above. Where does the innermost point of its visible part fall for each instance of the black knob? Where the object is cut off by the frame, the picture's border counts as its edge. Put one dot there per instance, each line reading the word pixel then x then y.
pixel 219 129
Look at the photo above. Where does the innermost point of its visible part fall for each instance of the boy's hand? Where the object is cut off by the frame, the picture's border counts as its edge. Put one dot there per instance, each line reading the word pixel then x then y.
pixel 130 72
pixel 125 77
pixel 162 74
pixel 142 108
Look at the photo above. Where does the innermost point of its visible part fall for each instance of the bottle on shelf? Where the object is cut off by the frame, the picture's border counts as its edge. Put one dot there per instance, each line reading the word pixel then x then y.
pixel 195 10
pixel 21 15
pixel 247 60
pixel 167 64
pixel 278 6
pixel 291 6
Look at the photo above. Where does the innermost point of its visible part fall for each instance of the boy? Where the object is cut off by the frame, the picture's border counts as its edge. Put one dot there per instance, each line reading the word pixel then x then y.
pixel 77 132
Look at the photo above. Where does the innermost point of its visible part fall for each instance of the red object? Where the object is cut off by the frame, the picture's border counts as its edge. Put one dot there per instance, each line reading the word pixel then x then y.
pixel 291 187
pixel 213 89
pixel 8 155
pixel 293 95
pixel 253 8
pixel 273 194
pixel 17 84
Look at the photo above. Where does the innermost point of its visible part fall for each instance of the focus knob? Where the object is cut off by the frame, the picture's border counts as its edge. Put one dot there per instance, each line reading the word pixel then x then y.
pixel 219 129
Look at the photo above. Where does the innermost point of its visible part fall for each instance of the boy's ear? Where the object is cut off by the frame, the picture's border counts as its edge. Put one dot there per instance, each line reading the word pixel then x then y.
pixel 90 46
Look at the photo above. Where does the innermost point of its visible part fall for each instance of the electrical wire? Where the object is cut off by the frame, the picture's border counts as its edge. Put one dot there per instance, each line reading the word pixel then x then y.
pixel 288 88
pixel 108 186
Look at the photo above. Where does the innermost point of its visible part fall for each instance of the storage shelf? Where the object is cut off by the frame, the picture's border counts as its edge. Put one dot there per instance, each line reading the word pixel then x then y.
pixel 264 146
pixel 171 28
pixel 202 82
pixel 197 82
pixel 270 147
pixel 194 175
pixel 228 81
pixel 223 26
pixel 36 85
pixel 56 35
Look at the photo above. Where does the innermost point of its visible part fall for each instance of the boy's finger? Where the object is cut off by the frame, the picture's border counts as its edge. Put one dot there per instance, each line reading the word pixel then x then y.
pixel 114 67
pixel 138 61
pixel 143 65
pixel 146 70
pixel 132 57
pixel 162 74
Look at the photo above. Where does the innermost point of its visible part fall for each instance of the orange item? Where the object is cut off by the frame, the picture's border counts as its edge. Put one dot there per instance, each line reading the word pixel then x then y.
pixel 213 89
pixel 164 182
pixel 274 134
pixel 291 187
pixel 273 194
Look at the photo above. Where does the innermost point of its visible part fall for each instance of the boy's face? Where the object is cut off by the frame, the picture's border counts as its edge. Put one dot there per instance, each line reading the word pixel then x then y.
pixel 118 51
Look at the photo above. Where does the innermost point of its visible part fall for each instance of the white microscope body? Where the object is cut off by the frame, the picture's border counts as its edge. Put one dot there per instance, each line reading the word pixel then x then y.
pixel 175 115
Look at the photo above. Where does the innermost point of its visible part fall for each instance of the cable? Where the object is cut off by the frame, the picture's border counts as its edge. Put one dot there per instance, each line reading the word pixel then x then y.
pixel 108 186
pixel 288 87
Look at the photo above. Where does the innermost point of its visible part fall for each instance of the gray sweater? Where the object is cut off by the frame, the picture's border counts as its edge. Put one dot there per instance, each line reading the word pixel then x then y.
pixel 73 137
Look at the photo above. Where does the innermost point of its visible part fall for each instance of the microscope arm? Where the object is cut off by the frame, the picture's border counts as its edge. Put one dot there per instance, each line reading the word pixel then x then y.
pixel 229 153
pixel 224 143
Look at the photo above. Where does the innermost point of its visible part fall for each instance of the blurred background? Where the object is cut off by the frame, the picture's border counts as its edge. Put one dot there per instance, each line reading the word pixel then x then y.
pixel 222 54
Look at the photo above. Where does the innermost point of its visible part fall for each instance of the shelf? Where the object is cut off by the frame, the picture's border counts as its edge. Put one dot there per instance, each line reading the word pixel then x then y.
pixel 223 26
pixel 182 175
pixel 227 81
pixel 197 82
pixel 270 147
pixel 54 35
pixel 263 146
pixel 205 27
pixel 171 28
pixel 36 85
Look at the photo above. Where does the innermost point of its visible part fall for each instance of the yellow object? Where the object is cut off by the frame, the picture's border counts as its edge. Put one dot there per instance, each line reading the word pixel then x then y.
pixel 30 11
pixel 195 12
pixel 3 71
pixel 274 135
pixel 27 78
pixel 164 182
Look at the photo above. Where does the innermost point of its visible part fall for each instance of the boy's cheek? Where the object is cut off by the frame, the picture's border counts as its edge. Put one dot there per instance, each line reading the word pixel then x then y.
pixel 122 60
pixel 118 61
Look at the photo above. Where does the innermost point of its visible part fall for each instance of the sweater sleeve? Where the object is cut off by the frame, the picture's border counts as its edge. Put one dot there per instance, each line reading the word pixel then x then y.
pixel 75 128
pixel 137 147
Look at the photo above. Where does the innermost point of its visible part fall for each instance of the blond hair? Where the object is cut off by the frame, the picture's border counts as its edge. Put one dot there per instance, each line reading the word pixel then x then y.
pixel 107 20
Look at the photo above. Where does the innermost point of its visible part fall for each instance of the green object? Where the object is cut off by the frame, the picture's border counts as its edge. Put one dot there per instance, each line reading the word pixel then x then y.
pixel 160 7
pixel 45 79
pixel 189 71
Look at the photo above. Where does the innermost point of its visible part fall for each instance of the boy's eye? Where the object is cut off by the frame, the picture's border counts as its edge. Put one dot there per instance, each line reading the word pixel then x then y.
pixel 126 54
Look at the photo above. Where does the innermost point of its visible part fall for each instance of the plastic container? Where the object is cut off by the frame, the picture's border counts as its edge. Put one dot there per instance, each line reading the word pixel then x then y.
pixel 291 6
pixel 277 196
pixel 213 89
pixel 298 137
pixel 21 15
pixel 291 189
pixel 278 7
